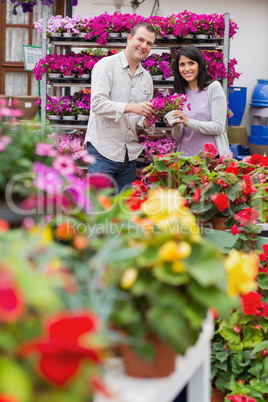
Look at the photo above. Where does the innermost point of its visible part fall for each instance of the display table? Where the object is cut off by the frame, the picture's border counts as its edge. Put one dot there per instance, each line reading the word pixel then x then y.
pixel 193 370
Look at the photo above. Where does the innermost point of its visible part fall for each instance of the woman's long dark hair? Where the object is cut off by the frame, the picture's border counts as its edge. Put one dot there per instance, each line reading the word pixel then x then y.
pixel 203 78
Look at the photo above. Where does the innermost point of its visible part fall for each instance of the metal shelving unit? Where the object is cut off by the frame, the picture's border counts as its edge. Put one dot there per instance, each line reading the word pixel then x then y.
pixel 221 44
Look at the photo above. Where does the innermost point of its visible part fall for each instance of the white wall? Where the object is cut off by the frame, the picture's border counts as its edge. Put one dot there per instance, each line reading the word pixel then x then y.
pixel 249 46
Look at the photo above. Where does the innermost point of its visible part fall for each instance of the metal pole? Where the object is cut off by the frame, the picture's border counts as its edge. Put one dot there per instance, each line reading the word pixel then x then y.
pixel 44 75
pixel 226 51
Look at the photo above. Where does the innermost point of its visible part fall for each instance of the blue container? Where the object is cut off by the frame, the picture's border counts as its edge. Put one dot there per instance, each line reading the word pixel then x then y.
pixel 237 104
pixel 260 94
pixel 259 135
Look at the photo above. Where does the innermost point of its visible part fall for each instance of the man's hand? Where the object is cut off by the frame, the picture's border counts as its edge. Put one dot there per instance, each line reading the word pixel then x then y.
pixel 145 109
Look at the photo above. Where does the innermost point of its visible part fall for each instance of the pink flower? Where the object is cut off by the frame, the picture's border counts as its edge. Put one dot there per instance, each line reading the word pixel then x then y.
pixel 210 150
pixel 45 149
pixel 64 165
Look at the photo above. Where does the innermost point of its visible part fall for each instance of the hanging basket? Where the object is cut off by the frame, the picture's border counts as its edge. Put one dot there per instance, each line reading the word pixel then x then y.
pixel 162 366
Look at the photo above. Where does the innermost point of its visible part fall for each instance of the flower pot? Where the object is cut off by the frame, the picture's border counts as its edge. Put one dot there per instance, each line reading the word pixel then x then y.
pixel 57 35
pixel 162 365
pixel 82 34
pixel 157 77
pixel 114 35
pixel 54 75
pixel 171 36
pixel 54 117
pixel 69 76
pixel 218 222
pixel 83 117
pixel 218 395
pixel 68 118
pixel 201 36
pixel 85 76
pixel 124 34
pixel 172 121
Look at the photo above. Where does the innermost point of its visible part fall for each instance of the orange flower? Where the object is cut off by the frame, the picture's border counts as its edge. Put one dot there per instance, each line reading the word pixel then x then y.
pixel 65 231
pixel 4 225
pixel 80 242
pixel 104 201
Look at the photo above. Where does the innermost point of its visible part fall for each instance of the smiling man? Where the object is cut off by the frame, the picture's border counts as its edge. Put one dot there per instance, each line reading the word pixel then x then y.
pixel 120 93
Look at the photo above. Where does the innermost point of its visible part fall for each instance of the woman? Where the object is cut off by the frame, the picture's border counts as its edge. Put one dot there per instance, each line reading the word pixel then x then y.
pixel 206 121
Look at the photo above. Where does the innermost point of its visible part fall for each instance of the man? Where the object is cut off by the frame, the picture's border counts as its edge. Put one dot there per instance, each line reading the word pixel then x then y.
pixel 120 94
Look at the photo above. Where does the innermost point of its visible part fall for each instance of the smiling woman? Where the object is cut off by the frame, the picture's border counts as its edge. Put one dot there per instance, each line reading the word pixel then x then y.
pixel 206 121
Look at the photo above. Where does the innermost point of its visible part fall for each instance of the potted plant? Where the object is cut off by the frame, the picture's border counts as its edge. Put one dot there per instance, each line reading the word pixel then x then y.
pixel 165 105
pixel 169 286
pixel 239 345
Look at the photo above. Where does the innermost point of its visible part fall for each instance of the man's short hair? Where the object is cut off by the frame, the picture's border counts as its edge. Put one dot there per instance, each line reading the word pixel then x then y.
pixel 146 25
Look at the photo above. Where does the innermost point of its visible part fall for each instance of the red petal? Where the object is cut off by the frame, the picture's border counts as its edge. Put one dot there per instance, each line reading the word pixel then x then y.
pixel 11 301
pixel 69 326
pixel 60 368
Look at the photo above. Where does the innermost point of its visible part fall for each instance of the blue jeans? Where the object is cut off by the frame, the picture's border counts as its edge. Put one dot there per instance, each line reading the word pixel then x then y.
pixel 124 173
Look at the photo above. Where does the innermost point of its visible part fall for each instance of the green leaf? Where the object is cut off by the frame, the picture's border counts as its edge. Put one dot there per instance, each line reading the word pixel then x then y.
pixel 180 335
pixel 256 370
pixel 160 164
pixel 212 298
pixel 164 274
pixel 206 265
pixel 263 280
pixel 14 380
pixel 260 347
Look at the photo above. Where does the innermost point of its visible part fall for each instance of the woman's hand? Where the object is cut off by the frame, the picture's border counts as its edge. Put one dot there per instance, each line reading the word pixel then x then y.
pixel 180 114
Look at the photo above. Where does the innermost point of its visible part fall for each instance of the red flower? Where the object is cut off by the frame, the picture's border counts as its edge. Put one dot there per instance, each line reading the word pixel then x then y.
pixel 197 195
pixel 221 201
pixel 250 302
pixel 59 348
pixel 234 230
pixel 248 185
pixel 241 398
pixel 247 216
pixel 265 249
pixel 11 300
pixel 7 398
pixel 233 168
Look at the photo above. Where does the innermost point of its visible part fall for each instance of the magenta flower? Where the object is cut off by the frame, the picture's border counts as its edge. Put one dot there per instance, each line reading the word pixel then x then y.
pixel 47 179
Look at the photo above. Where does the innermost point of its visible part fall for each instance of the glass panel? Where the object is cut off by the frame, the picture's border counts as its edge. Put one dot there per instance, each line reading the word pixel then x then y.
pixel 16 83
pixel 20 18
pixel 39 8
pixel 35 88
pixel 15 38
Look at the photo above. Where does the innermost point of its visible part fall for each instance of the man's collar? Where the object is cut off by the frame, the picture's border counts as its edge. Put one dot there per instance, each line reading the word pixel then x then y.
pixel 125 62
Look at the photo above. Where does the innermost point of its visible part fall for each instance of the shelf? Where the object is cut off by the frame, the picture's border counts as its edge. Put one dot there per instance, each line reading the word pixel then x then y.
pixel 122 44
pixel 68 84
pixel 69 126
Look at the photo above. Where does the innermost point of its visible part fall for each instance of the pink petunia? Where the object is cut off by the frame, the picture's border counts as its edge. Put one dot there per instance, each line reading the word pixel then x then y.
pixel 64 165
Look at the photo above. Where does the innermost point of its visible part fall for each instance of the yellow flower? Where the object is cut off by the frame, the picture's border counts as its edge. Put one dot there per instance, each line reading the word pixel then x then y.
pixel 172 251
pixel 169 251
pixel 129 278
pixel 242 270
pixel 44 233
pixel 162 203
pixel 178 267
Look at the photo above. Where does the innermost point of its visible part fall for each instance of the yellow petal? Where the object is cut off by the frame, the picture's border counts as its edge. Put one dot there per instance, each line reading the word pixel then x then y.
pixel 129 278
pixel 178 267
